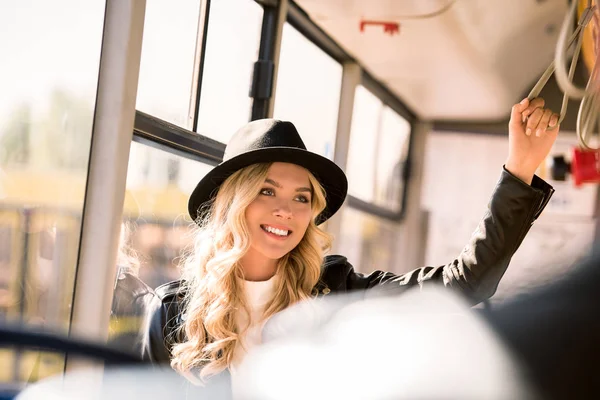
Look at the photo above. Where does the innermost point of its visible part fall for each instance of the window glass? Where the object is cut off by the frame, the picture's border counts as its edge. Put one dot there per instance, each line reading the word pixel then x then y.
pixel 368 241
pixel 167 64
pixel 363 144
pixel 48 75
pixel 308 91
pixel 378 150
pixel 391 159
pixel 155 230
pixel 233 39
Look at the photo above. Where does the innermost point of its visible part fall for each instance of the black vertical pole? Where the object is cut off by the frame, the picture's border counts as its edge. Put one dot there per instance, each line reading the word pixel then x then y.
pixel 264 68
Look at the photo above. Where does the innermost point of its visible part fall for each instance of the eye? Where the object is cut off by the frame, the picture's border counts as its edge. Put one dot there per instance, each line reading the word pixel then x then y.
pixel 303 199
pixel 267 192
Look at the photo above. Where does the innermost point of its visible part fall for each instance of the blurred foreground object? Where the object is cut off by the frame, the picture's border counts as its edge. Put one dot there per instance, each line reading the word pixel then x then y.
pixel 423 344
pixel 554 333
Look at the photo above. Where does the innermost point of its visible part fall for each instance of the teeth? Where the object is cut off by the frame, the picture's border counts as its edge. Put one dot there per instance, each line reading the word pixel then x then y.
pixel 279 232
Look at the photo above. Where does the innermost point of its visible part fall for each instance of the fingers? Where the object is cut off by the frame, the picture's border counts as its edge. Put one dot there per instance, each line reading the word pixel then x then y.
pixel 516 113
pixel 553 121
pixel 533 105
pixel 537 119
pixel 543 124
pixel 533 121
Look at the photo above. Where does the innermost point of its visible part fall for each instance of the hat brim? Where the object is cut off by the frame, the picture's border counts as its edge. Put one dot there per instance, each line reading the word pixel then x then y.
pixel 328 173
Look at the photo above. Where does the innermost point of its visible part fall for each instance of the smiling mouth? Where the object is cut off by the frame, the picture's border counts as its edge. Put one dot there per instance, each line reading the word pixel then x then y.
pixel 279 233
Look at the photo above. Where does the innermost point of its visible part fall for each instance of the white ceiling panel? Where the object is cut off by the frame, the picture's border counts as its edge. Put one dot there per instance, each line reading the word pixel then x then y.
pixel 471 62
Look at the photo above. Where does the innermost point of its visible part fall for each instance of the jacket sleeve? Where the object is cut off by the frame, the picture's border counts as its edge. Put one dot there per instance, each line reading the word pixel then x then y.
pixel 476 272
pixel 162 318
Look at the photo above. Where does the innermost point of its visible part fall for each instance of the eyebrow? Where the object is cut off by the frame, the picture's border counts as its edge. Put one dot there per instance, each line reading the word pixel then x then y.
pixel 277 185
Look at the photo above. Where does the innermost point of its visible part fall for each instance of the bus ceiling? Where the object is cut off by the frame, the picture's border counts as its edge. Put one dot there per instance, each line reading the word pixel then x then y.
pixel 455 61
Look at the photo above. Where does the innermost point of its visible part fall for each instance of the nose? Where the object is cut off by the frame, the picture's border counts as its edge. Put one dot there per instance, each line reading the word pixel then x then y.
pixel 283 210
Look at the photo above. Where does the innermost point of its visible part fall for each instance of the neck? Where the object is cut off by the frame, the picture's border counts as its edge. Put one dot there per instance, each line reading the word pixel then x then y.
pixel 257 267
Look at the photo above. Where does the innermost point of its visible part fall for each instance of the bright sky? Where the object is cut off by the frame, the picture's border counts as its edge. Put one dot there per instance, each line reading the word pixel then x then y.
pixel 48 44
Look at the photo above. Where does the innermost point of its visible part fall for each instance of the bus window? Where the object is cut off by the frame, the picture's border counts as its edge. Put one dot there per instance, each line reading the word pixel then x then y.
pixel 232 43
pixel 155 231
pixel 378 151
pixel 46 118
pixel 391 160
pixel 362 151
pixel 167 64
pixel 308 91
pixel 368 241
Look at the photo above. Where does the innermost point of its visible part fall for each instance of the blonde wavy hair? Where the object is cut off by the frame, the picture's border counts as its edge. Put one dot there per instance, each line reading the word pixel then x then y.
pixel 211 271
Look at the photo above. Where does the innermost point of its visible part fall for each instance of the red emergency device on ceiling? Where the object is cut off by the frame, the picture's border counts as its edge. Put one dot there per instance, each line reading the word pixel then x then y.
pixel 389 27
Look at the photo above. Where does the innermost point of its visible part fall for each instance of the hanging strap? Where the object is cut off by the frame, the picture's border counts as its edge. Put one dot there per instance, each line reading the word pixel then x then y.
pixel 577 38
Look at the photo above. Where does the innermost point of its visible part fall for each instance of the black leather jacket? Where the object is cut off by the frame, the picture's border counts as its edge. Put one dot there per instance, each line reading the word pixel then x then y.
pixel 131 300
pixel 475 273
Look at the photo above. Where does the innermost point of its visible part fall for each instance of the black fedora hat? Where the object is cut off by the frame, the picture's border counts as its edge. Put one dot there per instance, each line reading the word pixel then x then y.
pixel 266 141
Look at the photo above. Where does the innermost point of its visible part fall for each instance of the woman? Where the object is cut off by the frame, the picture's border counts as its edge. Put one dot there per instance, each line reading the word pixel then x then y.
pixel 259 249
